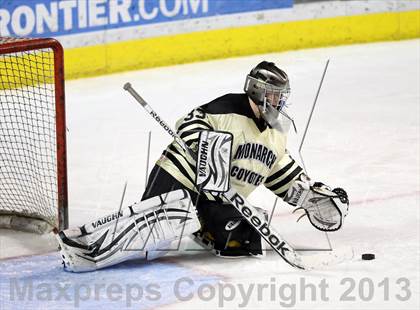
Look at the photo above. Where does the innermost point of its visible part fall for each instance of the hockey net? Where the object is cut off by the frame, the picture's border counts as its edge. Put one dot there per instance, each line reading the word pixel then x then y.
pixel 33 176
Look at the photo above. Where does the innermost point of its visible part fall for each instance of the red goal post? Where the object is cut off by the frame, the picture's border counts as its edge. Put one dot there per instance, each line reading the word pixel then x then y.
pixel 33 165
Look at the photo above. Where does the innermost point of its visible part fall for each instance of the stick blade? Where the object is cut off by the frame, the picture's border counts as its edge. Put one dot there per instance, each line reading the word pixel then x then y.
pixel 324 260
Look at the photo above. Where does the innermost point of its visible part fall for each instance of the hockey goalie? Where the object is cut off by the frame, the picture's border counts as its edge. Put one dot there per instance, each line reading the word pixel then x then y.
pixel 236 141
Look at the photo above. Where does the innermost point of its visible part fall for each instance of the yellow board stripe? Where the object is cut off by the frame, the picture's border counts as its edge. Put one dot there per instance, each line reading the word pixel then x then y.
pixel 199 46
pixel 231 42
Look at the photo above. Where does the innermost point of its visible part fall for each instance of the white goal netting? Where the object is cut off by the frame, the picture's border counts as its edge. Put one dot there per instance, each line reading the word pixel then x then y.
pixel 28 141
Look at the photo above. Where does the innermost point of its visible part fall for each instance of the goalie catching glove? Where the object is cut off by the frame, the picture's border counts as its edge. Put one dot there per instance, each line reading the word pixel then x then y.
pixel 325 207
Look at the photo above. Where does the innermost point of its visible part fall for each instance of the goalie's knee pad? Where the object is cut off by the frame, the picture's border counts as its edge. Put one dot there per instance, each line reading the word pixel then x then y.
pixel 148 226
pixel 225 232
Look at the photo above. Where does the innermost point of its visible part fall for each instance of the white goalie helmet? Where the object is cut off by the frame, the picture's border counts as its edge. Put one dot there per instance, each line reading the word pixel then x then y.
pixel 269 87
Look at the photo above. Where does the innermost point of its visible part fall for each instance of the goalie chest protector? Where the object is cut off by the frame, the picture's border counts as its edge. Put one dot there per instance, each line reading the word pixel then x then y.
pixel 258 151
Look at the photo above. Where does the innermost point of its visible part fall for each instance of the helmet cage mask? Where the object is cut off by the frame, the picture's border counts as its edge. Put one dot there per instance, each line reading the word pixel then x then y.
pixel 263 93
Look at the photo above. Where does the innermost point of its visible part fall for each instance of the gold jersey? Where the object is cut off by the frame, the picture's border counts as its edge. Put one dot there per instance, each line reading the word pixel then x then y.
pixel 259 154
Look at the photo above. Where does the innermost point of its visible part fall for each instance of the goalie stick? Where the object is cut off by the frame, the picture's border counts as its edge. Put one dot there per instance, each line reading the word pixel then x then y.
pixel 251 214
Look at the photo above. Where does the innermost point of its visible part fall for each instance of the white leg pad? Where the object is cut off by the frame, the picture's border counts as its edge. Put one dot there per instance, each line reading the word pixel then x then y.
pixel 147 226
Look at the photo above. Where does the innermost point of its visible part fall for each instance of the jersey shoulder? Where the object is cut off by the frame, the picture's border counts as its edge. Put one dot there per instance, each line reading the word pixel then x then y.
pixel 229 104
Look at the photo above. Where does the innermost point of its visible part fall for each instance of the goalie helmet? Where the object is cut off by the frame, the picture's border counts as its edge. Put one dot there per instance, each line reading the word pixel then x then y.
pixel 267 84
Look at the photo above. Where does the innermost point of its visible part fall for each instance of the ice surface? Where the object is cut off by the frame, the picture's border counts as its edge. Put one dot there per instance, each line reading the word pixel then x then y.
pixel 364 136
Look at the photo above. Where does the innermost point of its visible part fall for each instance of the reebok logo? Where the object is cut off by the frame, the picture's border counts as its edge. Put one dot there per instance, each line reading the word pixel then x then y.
pixel 162 123
pixel 259 225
